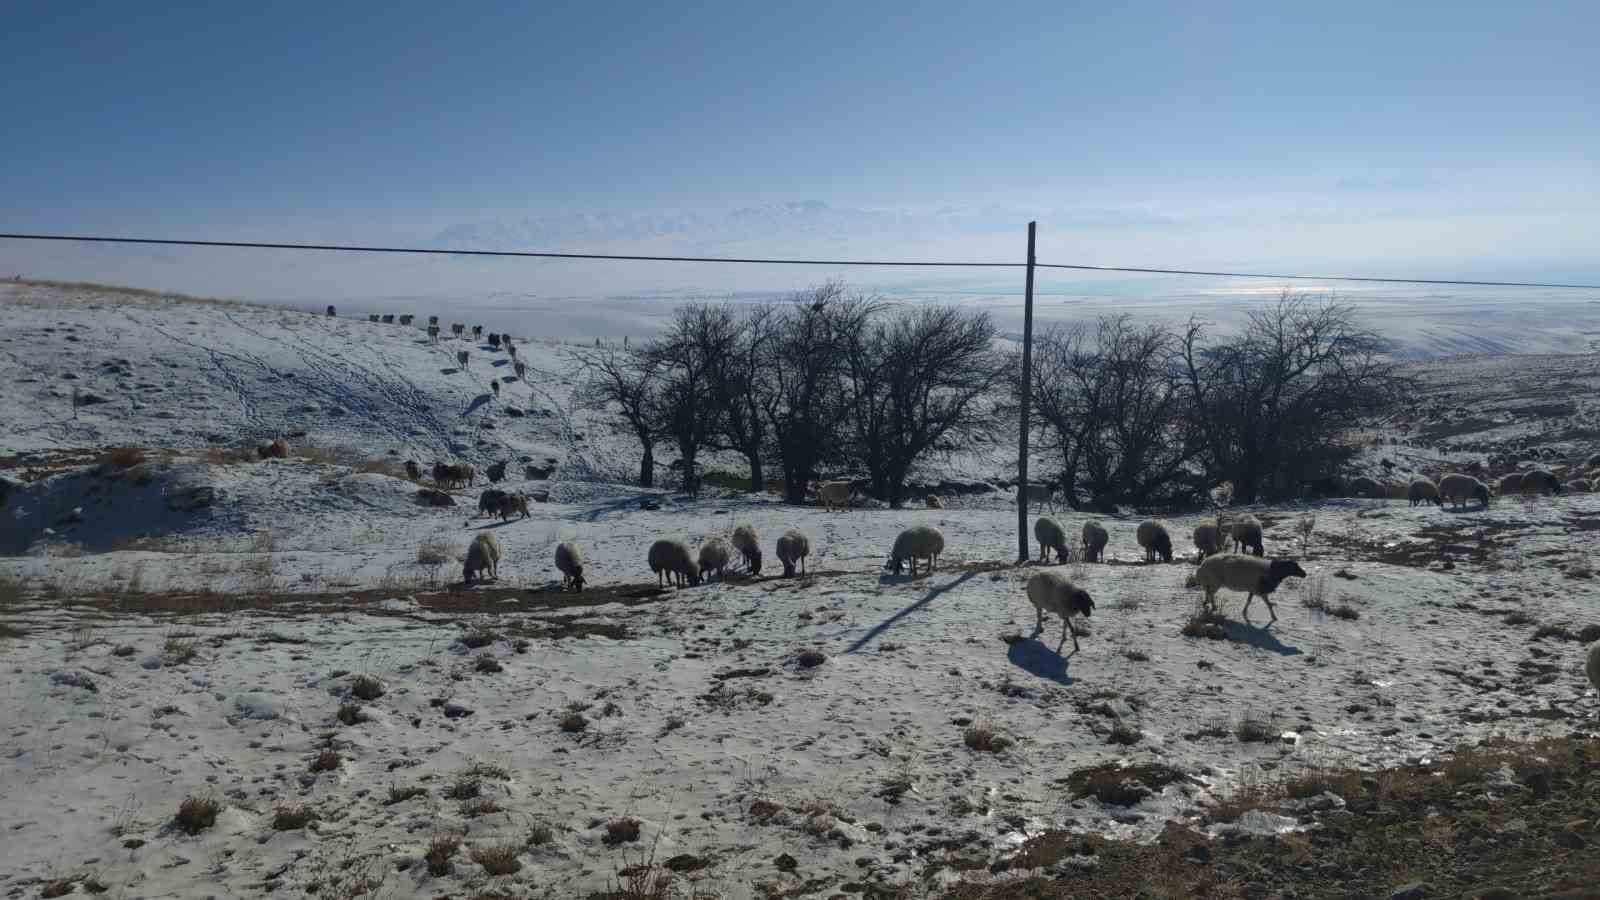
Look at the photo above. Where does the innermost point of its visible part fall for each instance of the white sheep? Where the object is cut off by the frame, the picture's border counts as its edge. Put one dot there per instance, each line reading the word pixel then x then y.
pixel 1155 540
pixel 570 562
pixel 1423 491
pixel 1246 534
pixel 1460 488
pixel 1051 536
pixel 482 556
pixel 672 559
pixel 748 544
pixel 1252 575
pixel 1038 493
pixel 919 542
pixel 715 555
pixel 793 548
pixel 934 502
pixel 1094 541
pixel 1207 540
pixel 1050 591
pixel 834 493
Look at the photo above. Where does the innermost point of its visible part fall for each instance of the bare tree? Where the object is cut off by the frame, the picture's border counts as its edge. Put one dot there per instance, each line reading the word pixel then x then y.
pixel 626 383
pixel 739 386
pixel 914 382
pixel 687 358
pixel 1275 398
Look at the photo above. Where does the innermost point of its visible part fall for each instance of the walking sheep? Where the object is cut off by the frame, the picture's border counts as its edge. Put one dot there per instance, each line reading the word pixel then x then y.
pixel 511 504
pixel 1249 574
pixel 1424 491
pixel 489 501
pixel 1094 541
pixel 920 542
pixel 672 559
pixel 715 555
pixel 1038 493
pixel 934 502
pixel 482 556
pixel 1246 532
pixel 453 474
pixel 1155 540
pixel 461 358
pixel 793 548
pixel 1207 540
pixel 413 471
pixel 1460 488
pixel 1051 536
pixel 834 493
pixel 570 562
pixel 1052 592
pixel 749 547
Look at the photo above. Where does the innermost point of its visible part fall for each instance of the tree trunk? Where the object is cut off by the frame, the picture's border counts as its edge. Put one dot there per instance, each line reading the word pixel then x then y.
pixel 647 466
pixel 794 487
pixel 691 482
pixel 758 479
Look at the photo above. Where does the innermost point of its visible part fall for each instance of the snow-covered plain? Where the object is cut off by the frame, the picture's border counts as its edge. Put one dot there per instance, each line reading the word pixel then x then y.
pixel 192 626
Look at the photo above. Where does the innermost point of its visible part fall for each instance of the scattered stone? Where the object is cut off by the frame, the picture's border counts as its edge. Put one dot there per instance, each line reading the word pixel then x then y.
pixel 74 678
pixel 785 863
pixel 1416 890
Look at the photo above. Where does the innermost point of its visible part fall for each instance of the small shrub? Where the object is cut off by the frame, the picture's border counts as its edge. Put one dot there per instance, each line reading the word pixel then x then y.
pixel 984 739
pixel 464 788
pixel 1251 728
pixel 487 770
pixel 487 664
pixel 366 687
pixel 440 849
pixel 1125 734
pixel 478 638
pixel 399 794
pixel 289 818
pixel 622 831
pixel 810 659
pixel 196 814
pixel 350 713
pixel 1134 654
pixel 177 651
pixel 327 761
pixel 58 888
pixel 500 859
pixel 482 806
pixel 539 834
pixel 1347 612
pixel 573 721
pixel 1315 595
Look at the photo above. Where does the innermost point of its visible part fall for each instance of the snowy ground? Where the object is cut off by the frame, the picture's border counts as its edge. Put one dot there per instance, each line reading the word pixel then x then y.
pixel 193 626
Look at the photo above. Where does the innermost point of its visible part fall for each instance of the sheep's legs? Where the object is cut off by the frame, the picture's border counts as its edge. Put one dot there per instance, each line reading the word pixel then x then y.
pixel 1270 608
pixel 1247 601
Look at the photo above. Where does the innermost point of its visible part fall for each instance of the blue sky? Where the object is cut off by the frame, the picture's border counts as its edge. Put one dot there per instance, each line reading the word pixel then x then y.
pixel 1408 139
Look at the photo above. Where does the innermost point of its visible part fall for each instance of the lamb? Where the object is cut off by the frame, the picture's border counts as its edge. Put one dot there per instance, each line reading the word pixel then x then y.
pixel 671 559
pixel 1155 540
pixel 482 556
pixel 715 555
pixel 1424 491
pixel 1459 487
pixel 1238 572
pixel 834 493
pixel 1246 533
pixel 1207 540
pixel 1051 536
pixel 1052 592
pixel 278 449
pixel 1509 484
pixel 413 471
pixel 1094 541
pixel 461 358
pixel 489 501
pixel 1541 480
pixel 331 311
pixel 570 562
pixel 1592 666
pixel 934 502
pixel 919 542
pixel 512 503
pixel 433 333
pixel 749 547
pixel 793 548
pixel 497 472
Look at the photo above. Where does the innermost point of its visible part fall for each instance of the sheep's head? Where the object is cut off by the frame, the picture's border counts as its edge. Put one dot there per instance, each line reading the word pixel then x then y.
pixel 1482 493
pixel 895 564
pixel 1081 603
pixel 753 555
pixel 1284 568
pixel 692 572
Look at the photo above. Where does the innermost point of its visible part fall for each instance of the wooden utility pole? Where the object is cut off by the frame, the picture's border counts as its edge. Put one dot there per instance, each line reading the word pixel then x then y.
pixel 1024 546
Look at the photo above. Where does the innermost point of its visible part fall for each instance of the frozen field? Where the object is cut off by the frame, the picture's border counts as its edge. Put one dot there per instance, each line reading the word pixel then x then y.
pixel 199 624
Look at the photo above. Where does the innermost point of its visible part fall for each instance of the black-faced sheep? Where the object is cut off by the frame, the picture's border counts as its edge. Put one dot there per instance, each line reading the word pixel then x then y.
pixel 919 542
pixel 1051 536
pixel 793 548
pixel 433 320
pixel 1249 574
pixel 494 341
pixel 1246 533
pixel 413 471
pixel 1461 488
pixel 1423 491
pixel 1095 539
pixel 1207 541
pixel 715 555
pixel 834 493
pixel 934 502
pixel 1155 540
pixel 570 562
pixel 433 333
pixel 407 319
pixel 748 544
pixel 1052 592
pixel 671 559
pixel 483 555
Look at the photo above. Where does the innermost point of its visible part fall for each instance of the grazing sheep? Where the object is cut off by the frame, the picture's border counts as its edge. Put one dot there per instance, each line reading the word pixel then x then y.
pixel 372 317
pixel 1052 592
pixel 1509 484
pixel 1579 486
pixel 1367 487
pixel 482 556
pixel 278 449
pixel 489 501
pixel 715 555
pixel 388 318
pixel 570 562
pixel 793 548
pixel 496 472
pixel 672 559
pixel 461 358
pixel 1238 572
pixel 1094 541
pixel 433 333
pixel 934 502
pixel 748 544
pixel 453 474
pixel 1207 540
pixel 331 311
pixel 511 504
pixel 433 320
pixel 1051 536
pixel 1592 666
pixel 1155 540
pixel 494 341
pixel 413 471
pixel 521 368
pixel 1423 491
pixel 834 493
pixel 1246 534
pixel 1540 480
pixel 919 542
pixel 407 319
pixel 456 328
pixel 1459 488
pixel 495 386
pixel 477 332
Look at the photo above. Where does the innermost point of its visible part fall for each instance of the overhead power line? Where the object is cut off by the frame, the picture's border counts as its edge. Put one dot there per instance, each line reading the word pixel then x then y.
pixel 1146 270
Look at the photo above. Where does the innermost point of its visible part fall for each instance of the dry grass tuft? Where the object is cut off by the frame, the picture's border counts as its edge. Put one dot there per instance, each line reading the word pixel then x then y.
pixel 327 760
pixel 399 794
pixel 350 713
pixel 487 664
pixel 196 814
pixel 573 721
pixel 984 739
pixel 1346 612
pixel 289 818
pixel 481 806
pixel 440 849
pixel 465 787
pixel 622 831
pixel 366 687
pixel 1251 728
pixel 479 638
pixel 499 859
